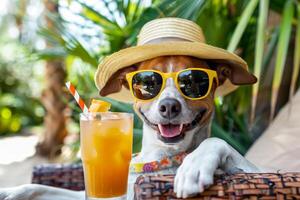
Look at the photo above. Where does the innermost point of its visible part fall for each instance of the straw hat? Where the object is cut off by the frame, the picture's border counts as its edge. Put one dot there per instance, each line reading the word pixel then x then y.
pixel 163 37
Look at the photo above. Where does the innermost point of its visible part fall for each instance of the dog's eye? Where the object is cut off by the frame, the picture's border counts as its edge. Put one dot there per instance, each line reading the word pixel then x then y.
pixel 185 83
pixel 146 85
pixel 193 83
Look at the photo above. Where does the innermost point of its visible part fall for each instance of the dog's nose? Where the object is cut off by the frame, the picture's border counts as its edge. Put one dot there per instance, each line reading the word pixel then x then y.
pixel 169 108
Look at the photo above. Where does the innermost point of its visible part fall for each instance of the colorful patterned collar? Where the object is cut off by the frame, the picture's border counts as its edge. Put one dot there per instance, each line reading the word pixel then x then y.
pixel 164 163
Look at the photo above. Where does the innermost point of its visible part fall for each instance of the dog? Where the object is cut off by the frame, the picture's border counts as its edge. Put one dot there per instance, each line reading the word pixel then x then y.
pixel 206 155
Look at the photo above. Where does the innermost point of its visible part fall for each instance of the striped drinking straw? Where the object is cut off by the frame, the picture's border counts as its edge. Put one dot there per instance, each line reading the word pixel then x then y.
pixel 76 96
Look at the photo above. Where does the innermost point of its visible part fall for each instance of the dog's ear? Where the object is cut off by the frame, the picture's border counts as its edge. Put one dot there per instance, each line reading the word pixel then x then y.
pixel 236 75
pixel 116 81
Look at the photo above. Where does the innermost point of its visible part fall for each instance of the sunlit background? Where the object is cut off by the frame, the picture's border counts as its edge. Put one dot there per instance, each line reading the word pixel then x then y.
pixel 45 43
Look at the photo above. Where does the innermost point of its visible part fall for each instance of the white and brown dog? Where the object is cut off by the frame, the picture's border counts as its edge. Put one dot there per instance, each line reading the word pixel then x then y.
pixel 190 123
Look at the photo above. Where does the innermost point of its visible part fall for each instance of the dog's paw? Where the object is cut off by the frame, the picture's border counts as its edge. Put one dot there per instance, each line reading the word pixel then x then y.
pixel 197 170
pixel 194 175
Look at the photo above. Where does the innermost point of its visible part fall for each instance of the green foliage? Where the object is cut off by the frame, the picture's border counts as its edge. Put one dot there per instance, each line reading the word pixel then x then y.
pixel 282 50
pixel 245 17
pixel 296 68
pixel 19 103
pixel 64 43
pixel 259 50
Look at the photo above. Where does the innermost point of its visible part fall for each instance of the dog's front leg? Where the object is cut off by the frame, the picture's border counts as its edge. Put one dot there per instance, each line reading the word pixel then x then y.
pixel 39 192
pixel 198 168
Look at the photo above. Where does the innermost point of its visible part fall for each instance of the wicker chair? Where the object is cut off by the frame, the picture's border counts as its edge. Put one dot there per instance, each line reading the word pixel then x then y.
pixel 238 186
pixel 69 176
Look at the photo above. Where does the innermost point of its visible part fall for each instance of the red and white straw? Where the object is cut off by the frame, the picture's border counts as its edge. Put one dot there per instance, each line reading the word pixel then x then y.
pixel 78 99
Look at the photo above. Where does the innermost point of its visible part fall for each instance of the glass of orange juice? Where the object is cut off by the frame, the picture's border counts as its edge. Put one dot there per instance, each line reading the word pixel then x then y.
pixel 106 148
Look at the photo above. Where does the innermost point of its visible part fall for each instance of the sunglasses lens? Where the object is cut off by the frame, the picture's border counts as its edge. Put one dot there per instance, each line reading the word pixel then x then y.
pixel 146 85
pixel 193 83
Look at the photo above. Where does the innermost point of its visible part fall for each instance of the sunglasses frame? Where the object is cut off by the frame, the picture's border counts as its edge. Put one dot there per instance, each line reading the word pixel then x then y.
pixel 212 75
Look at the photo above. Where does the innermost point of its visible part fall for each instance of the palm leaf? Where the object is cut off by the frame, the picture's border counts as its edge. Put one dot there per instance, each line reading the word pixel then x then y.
pixel 296 56
pixel 59 37
pixel 259 51
pixel 240 124
pixel 99 19
pixel 127 7
pixel 188 9
pixel 219 132
pixel 137 140
pixel 239 30
pixel 130 10
pixel 110 10
pixel 282 49
pixel 136 11
pixel 51 53
pixel 271 48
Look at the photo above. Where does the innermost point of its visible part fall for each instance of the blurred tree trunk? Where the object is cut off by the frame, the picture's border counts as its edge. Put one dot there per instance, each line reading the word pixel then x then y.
pixel 19 16
pixel 52 98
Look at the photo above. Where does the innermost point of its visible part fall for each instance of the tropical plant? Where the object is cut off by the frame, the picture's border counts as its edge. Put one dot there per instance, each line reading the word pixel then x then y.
pixel 19 82
pixel 16 95
pixel 239 26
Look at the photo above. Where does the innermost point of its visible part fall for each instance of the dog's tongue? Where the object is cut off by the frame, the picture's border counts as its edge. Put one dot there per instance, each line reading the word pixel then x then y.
pixel 170 130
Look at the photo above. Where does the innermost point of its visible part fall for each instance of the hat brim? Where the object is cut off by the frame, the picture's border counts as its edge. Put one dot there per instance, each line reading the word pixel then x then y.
pixel 133 55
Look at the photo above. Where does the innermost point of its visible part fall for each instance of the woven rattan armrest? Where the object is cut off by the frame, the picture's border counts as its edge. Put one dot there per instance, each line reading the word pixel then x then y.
pixel 69 176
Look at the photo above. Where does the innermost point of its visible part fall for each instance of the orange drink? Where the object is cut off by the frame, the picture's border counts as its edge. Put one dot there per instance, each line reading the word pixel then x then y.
pixel 106 147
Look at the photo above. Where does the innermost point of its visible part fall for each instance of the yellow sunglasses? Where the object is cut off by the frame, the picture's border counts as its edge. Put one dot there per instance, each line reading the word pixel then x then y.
pixel 192 83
